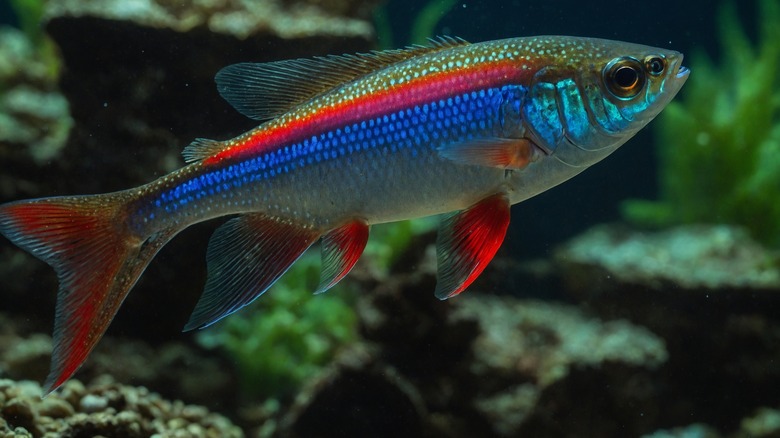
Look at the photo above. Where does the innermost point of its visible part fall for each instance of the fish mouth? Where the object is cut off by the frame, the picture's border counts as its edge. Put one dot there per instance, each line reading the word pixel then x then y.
pixel 675 80
pixel 682 72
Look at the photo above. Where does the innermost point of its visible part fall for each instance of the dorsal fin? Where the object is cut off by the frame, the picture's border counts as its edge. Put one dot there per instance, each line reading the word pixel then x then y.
pixel 262 91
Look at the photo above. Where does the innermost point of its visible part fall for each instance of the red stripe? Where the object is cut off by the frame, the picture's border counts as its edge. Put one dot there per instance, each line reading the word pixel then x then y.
pixel 429 88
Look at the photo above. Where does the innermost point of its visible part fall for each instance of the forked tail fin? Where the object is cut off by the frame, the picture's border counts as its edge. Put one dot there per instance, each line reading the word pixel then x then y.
pixel 97 259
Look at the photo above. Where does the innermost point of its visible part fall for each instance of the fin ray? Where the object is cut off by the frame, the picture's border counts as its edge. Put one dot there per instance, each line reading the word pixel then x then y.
pixel 341 249
pixel 262 91
pixel 97 262
pixel 201 148
pixel 245 256
pixel 466 243
pixel 503 153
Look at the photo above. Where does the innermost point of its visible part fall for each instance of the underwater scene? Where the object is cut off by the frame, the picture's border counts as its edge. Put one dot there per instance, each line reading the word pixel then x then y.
pixel 291 218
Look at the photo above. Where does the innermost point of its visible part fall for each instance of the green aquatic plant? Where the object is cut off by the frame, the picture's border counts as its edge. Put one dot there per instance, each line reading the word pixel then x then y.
pixel 29 13
pixel 423 25
pixel 287 335
pixel 719 146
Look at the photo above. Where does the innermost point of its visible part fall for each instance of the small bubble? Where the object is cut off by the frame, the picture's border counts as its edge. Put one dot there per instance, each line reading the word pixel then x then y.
pixel 105 104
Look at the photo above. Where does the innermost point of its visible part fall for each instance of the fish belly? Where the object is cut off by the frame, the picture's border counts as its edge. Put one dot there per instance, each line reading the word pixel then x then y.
pixel 380 186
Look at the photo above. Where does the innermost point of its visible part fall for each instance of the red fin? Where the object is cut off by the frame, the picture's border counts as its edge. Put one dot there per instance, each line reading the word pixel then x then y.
pixel 341 249
pixel 504 153
pixel 467 242
pixel 246 255
pixel 96 260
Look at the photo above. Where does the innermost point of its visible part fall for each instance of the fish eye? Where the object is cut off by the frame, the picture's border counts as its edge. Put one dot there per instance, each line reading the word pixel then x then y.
pixel 655 65
pixel 624 77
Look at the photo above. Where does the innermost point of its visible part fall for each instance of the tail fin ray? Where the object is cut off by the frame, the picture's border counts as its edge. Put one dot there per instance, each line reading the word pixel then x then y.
pixel 96 257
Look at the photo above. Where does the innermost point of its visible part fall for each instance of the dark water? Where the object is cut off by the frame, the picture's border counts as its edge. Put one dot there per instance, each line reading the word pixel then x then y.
pixel 7 15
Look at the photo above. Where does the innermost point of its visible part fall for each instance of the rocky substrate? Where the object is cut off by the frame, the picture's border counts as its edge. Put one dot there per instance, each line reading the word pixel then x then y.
pixel 706 258
pixel 173 369
pixel 712 294
pixel 103 408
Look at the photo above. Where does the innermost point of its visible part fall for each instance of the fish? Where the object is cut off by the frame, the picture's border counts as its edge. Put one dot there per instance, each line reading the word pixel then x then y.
pixel 451 128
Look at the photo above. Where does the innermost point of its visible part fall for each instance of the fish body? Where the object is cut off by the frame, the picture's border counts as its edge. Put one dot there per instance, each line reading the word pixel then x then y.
pixel 346 142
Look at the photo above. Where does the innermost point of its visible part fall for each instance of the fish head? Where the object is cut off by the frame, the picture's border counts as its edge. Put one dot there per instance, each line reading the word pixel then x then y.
pixel 588 97
pixel 624 88
pixel 594 94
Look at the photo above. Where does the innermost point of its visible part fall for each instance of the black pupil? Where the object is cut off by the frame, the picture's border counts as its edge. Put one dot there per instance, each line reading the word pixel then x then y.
pixel 656 65
pixel 626 77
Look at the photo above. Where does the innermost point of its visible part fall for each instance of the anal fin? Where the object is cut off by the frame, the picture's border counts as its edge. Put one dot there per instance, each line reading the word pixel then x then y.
pixel 246 255
pixel 466 243
pixel 341 249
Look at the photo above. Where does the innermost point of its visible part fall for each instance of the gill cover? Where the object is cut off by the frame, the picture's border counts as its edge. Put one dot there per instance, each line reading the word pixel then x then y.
pixel 566 107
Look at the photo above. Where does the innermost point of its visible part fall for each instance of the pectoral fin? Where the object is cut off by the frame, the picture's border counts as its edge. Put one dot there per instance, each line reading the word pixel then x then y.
pixel 467 241
pixel 504 153
pixel 246 255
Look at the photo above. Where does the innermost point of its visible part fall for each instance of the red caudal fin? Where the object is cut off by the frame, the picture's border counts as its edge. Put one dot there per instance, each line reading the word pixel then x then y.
pixel 97 260
pixel 467 242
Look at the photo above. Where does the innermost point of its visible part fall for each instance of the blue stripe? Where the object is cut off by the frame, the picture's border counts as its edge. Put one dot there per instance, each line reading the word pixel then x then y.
pixel 453 119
